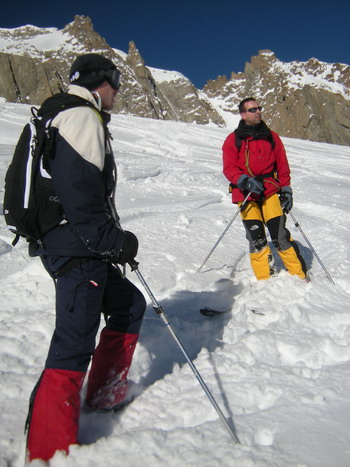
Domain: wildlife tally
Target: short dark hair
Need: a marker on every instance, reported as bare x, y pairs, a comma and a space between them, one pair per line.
241, 104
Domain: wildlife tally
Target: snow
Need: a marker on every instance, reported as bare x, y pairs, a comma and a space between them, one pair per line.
231, 118
49, 40
18, 41
281, 377
166, 76
299, 76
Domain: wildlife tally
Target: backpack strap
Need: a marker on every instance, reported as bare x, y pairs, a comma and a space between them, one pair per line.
55, 104
15, 240
238, 141
50, 108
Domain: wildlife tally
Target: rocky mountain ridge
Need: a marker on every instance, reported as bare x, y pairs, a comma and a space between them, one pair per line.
307, 100
35, 63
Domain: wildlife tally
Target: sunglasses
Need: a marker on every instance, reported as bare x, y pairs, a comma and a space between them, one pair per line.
114, 79
112, 76
253, 110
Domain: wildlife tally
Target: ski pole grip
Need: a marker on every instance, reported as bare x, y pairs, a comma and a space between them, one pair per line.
133, 265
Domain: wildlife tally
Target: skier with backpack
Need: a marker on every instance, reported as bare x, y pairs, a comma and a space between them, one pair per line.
254, 160
81, 248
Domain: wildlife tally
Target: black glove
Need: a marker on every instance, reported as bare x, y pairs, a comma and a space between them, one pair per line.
251, 184
129, 249
286, 198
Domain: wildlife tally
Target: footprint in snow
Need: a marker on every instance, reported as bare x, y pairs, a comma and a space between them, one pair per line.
5, 247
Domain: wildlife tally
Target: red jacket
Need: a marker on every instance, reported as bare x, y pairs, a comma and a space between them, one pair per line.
262, 159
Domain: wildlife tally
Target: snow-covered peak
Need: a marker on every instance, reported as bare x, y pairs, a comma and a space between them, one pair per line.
160, 75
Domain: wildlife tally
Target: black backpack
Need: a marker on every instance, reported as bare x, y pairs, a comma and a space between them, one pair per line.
31, 207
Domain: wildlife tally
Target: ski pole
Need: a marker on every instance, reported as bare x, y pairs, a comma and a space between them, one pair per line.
240, 209
159, 310
296, 223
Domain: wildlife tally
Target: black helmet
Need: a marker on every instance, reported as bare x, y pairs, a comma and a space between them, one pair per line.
91, 70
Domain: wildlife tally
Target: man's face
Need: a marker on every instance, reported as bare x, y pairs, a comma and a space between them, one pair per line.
251, 118
107, 94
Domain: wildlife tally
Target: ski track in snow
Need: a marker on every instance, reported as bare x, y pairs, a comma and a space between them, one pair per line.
281, 377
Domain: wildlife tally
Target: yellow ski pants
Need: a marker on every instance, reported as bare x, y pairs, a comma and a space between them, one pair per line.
268, 212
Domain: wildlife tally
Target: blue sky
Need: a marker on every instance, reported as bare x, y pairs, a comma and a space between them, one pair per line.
204, 39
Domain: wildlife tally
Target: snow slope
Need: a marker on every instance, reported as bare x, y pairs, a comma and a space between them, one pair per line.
282, 377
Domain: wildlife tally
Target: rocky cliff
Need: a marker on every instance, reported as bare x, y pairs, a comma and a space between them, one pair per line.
35, 62
308, 100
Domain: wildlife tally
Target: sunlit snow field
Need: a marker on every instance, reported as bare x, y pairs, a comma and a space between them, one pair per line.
282, 377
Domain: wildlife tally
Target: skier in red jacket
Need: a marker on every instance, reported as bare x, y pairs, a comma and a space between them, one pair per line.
254, 160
